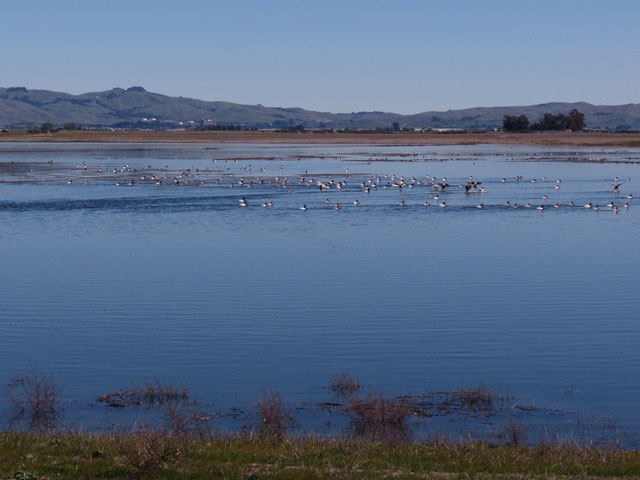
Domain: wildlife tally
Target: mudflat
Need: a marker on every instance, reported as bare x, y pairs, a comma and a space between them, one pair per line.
568, 139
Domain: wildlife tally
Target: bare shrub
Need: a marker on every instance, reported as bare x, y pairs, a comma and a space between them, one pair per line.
275, 420
35, 400
344, 385
147, 450
187, 420
378, 418
514, 433
479, 397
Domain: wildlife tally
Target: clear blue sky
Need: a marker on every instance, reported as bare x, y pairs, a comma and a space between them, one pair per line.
341, 56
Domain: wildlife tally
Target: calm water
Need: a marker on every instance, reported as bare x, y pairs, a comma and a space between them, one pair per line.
104, 285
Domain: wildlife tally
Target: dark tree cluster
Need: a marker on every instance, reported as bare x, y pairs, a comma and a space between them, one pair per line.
513, 123
46, 127
574, 121
220, 127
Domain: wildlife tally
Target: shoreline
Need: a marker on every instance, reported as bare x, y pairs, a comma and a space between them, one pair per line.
550, 139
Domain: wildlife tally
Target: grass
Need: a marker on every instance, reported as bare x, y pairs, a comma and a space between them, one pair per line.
155, 455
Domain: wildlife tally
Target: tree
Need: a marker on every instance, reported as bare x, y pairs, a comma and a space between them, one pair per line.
396, 126
575, 121
551, 122
70, 126
511, 123
47, 127
522, 123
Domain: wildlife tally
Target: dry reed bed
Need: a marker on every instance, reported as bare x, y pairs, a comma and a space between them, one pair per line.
585, 139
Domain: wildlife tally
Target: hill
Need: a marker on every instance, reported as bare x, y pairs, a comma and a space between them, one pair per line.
137, 108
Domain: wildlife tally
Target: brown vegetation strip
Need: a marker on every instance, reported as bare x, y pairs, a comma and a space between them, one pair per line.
584, 139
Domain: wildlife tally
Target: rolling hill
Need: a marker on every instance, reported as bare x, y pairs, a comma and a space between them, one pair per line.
135, 107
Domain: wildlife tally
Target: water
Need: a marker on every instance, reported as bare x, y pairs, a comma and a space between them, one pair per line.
104, 285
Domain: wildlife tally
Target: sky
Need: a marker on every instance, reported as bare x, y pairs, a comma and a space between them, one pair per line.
341, 56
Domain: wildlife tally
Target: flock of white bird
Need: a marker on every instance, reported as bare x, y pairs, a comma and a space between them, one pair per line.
245, 178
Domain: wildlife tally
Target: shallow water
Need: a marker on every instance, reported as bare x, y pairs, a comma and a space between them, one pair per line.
104, 285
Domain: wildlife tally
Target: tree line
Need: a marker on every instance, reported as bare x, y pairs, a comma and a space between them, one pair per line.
574, 121
48, 127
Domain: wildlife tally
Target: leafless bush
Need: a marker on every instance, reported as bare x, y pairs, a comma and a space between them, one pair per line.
378, 418
147, 450
344, 385
35, 400
187, 420
275, 420
513, 433
480, 397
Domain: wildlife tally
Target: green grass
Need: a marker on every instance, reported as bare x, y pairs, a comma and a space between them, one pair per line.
155, 455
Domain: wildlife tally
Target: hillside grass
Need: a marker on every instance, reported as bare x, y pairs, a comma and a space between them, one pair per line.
156, 455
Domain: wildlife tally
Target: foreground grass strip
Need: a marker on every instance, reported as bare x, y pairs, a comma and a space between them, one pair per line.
156, 455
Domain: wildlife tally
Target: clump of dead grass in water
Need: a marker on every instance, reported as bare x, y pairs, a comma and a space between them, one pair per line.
479, 397
275, 419
161, 393
35, 400
344, 386
378, 418
150, 394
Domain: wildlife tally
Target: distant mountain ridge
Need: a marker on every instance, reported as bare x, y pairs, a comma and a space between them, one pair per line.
136, 107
